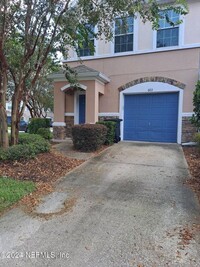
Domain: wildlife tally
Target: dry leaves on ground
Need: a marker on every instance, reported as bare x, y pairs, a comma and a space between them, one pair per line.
45, 169
192, 155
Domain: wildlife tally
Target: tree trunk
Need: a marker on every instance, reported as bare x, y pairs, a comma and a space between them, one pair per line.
16, 99
30, 110
4, 142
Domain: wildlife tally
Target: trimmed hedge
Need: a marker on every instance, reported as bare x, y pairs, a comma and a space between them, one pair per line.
196, 103
37, 123
3, 154
25, 138
111, 126
29, 146
88, 137
197, 139
45, 133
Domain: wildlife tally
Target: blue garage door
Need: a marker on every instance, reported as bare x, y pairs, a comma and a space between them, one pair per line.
151, 117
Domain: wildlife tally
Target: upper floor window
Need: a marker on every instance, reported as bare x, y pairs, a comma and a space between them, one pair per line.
124, 31
167, 34
87, 47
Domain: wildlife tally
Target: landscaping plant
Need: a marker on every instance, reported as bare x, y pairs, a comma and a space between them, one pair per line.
88, 137
111, 126
29, 146
196, 102
45, 133
37, 123
197, 139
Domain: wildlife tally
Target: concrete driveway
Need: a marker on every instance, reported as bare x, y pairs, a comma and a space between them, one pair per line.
126, 207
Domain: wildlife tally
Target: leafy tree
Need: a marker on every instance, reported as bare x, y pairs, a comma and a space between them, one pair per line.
196, 102
6, 23
40, 98
32, 30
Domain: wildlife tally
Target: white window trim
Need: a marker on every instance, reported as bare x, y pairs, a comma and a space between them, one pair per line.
180, 38
157, 87
135, 40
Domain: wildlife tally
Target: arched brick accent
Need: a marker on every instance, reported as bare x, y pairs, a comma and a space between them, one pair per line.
152, 79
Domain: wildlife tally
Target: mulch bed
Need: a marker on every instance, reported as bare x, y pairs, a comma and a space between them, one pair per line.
46, 167
192, 155
44, 170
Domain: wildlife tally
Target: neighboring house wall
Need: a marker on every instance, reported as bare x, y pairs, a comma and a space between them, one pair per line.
8, 108
180, 63
25, 116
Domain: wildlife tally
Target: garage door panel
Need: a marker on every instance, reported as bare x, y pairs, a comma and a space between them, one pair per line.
151, 117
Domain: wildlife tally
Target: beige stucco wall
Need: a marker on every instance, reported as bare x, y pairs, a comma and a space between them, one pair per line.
93, 106
192, 24
103, 47
189, 34
71, 53
69, 102
145, 35
181, 65
59, 102
64, 102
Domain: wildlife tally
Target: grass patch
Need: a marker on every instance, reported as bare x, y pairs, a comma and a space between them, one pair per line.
12, 191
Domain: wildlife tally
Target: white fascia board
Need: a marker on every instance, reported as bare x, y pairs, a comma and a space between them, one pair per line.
81, 86
94, 75
82, 76
57, 76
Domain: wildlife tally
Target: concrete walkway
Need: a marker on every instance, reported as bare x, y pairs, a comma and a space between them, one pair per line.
125, 207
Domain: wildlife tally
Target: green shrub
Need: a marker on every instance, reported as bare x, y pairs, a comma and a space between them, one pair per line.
29, 146
45, 133
196, 103
25, 138
111, 126
20, 152
40, 146
197, 139
37, 123
88, 137
3, 154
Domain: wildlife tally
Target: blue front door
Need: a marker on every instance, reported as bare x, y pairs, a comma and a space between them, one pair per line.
81, 109
151, 117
